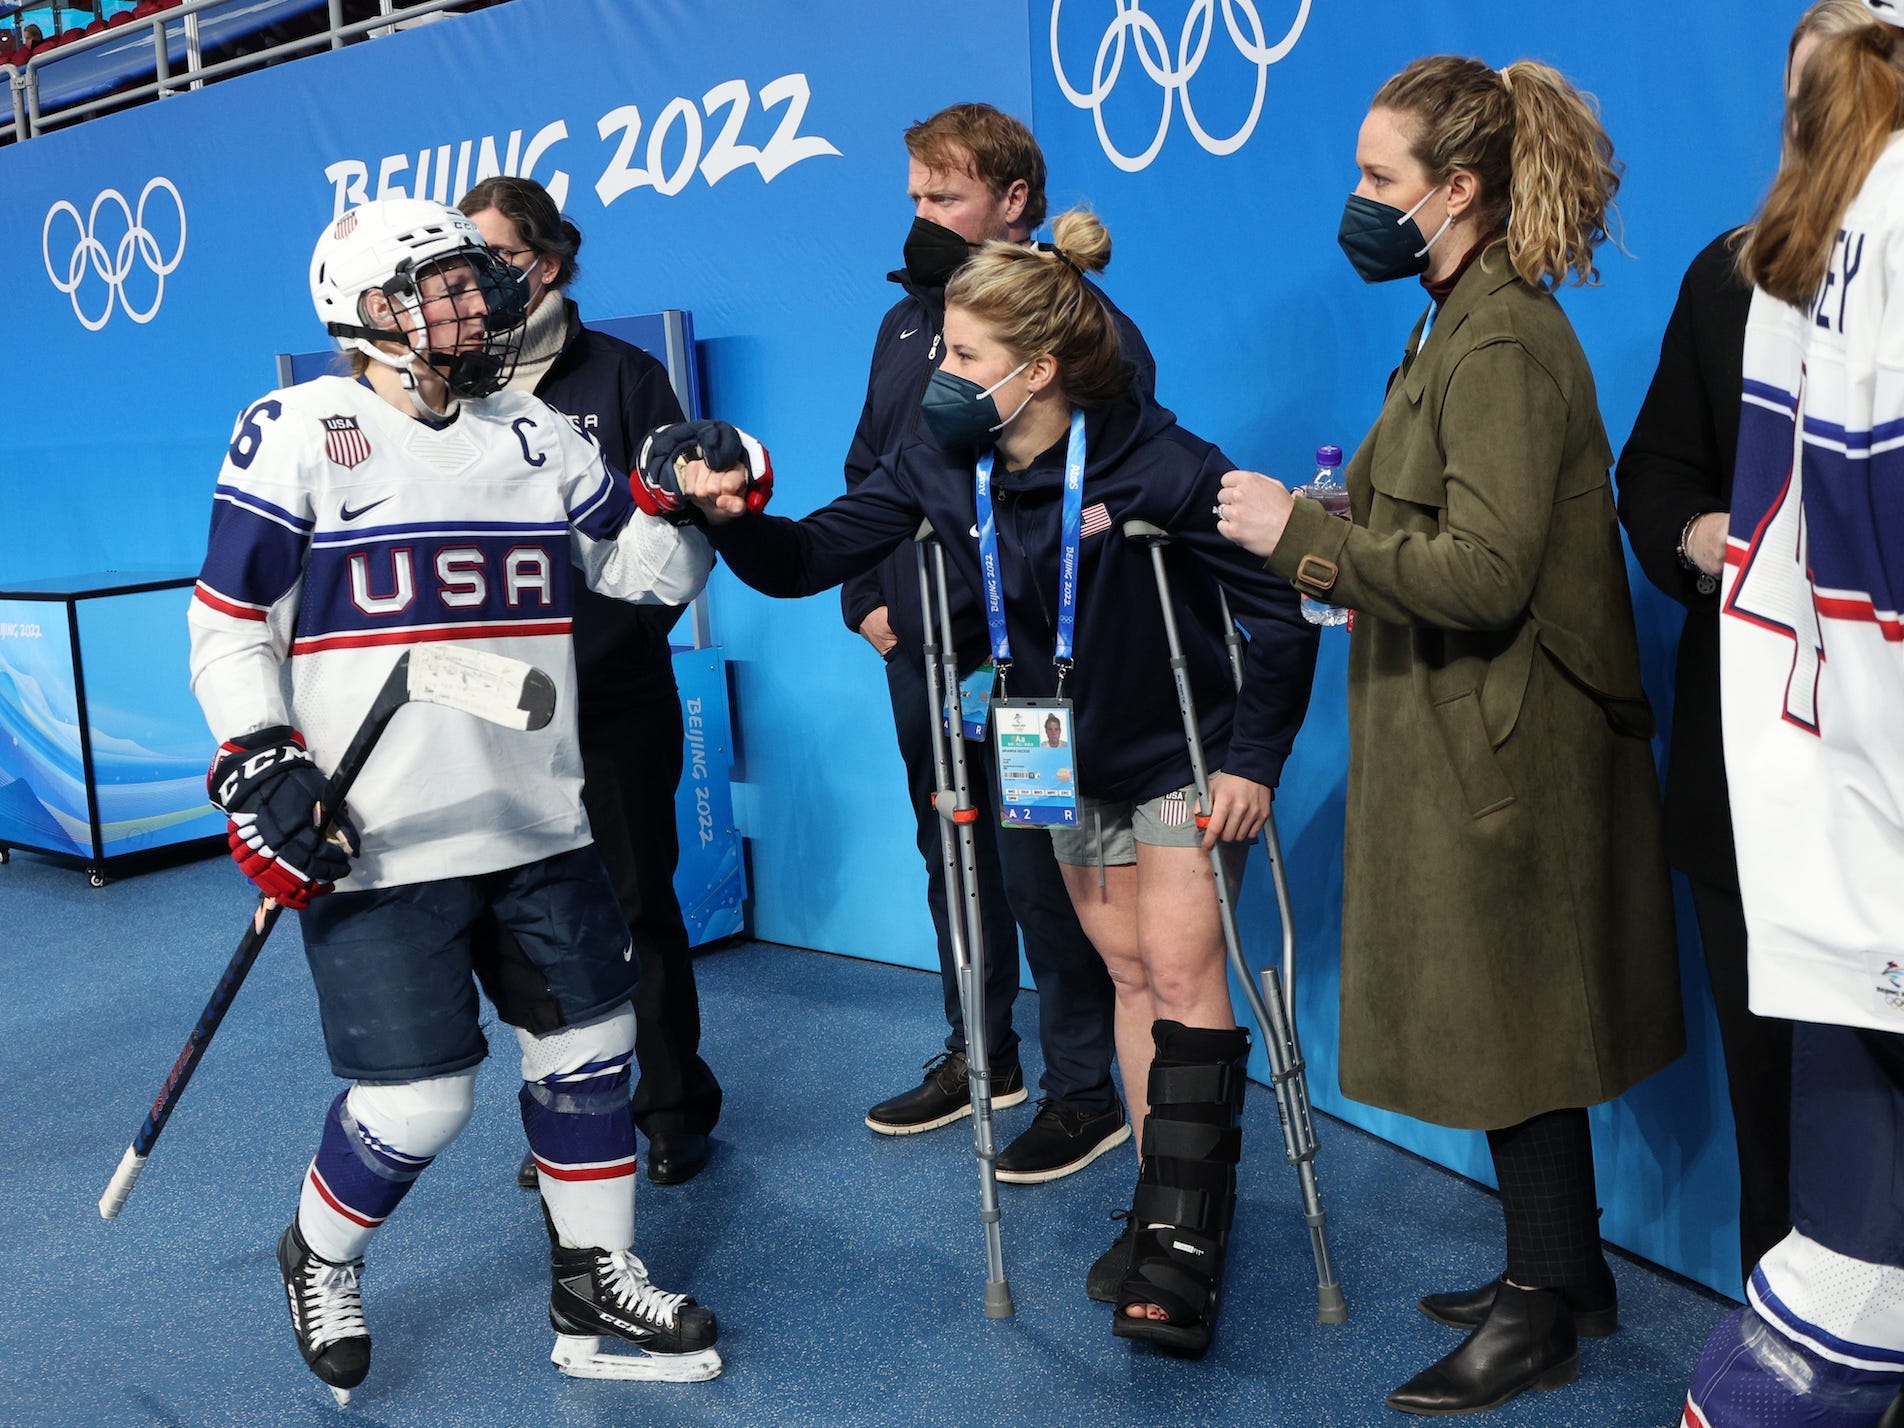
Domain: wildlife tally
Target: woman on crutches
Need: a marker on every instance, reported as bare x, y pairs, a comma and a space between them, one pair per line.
1039, 448
1508, 954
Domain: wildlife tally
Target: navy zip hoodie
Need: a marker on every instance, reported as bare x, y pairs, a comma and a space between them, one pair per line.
905, 355
1139, 465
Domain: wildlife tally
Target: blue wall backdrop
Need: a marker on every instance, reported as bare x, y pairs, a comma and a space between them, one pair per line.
743, 161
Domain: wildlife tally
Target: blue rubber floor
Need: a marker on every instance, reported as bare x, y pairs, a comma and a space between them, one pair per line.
847, 1269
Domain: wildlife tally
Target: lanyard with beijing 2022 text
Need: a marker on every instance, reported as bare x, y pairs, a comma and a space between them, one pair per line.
1070, 538
1034, 737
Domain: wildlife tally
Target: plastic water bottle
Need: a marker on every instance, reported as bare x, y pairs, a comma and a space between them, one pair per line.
1326, 486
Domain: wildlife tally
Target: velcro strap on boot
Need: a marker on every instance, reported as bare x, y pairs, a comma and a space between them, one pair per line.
1192, 1140
1184, 1208
1205, 1084
1177, 1271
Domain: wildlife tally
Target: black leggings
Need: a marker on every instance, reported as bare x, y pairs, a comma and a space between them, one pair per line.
1545, 1167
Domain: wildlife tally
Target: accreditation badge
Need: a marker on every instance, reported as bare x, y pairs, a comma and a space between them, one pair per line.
1037, 767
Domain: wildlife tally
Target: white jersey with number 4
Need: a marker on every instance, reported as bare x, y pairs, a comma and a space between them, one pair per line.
344, 531
1812, 649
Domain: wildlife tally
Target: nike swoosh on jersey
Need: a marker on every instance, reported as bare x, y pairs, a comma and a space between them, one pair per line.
345, 513
907, 333
973, 533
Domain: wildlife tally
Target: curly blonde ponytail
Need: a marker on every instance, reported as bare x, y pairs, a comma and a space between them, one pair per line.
1545, 165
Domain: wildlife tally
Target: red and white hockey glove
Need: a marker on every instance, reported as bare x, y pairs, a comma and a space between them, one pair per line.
655, 479
271, 791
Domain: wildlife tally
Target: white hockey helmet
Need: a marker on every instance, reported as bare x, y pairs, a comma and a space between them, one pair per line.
1889, 11
389, 246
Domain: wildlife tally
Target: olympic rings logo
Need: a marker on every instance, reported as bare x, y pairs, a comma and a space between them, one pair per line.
138, 245
1131, 29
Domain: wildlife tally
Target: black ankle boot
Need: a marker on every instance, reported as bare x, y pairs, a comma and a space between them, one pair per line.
1526, 1341
1595, 1305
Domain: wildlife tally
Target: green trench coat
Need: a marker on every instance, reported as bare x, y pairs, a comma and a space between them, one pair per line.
1507, 920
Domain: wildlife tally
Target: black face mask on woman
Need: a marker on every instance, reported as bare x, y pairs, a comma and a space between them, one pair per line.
1382, 242
934, 253
961, 415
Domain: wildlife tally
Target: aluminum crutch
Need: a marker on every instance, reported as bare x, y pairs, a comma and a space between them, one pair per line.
958, 852
1272, 844
1273, 1010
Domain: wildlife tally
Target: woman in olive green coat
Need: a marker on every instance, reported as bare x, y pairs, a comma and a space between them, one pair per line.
1508, 953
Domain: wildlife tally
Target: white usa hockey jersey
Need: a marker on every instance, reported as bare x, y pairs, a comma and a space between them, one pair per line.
1812, 649
343, 531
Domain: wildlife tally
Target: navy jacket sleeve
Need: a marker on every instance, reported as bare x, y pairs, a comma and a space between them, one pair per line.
1279, 658
783, 557
860, 595
648, 403
1677, 463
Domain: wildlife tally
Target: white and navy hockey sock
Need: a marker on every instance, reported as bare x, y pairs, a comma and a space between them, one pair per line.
1821, 1345
377, 1140
581, 1128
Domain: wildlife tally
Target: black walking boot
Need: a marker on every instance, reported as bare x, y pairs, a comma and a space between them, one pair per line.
1186, 1192
1526, 1341
1107, 1271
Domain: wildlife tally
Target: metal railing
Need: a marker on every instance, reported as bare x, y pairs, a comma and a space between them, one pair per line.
23, 81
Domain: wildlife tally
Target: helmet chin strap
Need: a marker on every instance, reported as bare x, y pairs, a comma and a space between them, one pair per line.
369, 340
450, 400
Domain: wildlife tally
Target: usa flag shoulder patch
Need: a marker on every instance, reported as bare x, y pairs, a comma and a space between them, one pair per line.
344, 443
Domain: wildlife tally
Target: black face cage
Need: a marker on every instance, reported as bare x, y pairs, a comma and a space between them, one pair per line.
483, 370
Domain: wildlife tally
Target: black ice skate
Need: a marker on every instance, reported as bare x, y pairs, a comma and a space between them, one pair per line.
327, 1313
601, 1294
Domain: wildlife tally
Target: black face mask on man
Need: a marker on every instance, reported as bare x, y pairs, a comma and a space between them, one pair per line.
934, 253
1382, 242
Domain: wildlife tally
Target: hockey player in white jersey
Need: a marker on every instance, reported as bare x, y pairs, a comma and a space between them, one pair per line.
417, 500
1812, 680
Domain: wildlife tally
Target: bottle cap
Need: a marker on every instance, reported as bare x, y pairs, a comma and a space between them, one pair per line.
1328, 456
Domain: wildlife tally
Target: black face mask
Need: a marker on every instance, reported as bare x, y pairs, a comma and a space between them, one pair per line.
934, 253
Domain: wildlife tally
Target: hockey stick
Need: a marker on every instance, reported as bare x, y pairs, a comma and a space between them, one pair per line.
490, 686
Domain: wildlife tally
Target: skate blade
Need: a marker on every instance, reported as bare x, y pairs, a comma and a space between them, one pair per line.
580, 1356
342, 1395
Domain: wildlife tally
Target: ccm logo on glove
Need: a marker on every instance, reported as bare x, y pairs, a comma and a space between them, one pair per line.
272, 792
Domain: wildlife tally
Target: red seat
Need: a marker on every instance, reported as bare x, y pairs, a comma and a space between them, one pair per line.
94, 28
145, 8
120, 17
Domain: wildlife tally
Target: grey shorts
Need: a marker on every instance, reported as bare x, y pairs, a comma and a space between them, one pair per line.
1109, 829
